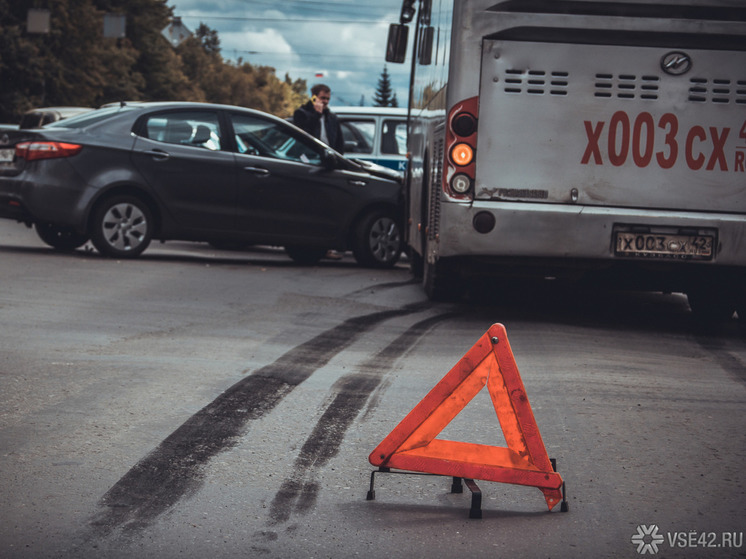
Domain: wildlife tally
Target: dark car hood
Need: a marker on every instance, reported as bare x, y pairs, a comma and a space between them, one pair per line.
378, 170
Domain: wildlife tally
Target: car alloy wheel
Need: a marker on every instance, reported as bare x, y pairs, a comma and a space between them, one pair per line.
122, 227
378, 241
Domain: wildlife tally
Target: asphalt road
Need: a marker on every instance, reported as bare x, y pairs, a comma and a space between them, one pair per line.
200, 403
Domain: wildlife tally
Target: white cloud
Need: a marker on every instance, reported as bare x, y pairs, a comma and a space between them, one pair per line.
351, 56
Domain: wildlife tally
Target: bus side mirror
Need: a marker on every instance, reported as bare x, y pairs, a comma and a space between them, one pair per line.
396, 47
425, 52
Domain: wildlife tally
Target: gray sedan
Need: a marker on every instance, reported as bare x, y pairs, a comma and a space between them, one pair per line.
122, 176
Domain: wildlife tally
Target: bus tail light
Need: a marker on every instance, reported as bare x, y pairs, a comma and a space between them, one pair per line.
461, 183
462, 154
461, 147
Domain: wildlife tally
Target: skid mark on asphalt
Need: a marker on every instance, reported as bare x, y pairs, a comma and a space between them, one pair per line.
374, 288
730, 362
172, 470
299, 492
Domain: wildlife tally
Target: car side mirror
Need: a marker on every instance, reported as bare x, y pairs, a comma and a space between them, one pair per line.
328, 160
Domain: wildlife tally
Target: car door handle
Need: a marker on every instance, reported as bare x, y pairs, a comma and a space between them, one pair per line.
257, 170
157, 153
355, 182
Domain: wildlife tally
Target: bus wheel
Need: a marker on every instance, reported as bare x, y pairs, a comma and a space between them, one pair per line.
416, 264
440, 281
711, 305
741, 307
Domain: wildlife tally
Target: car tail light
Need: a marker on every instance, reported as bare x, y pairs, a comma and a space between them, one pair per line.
460, 157
31, 151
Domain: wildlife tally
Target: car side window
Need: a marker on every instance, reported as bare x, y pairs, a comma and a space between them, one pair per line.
359, 135
186, 128
394, 137
267, 138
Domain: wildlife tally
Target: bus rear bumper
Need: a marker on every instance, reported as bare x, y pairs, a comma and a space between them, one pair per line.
565, 232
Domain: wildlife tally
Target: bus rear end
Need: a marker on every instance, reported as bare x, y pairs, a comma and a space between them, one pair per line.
596, 139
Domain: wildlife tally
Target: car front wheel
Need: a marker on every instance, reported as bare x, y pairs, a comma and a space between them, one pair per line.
59, 237
378, 241
122, 227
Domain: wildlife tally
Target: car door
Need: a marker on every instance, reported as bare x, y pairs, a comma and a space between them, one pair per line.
284, 193
183, 157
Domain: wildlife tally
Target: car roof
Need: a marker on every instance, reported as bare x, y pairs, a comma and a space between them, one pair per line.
63, 112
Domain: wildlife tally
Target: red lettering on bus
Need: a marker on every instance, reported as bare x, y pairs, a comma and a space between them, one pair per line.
742, 135
618, 119
640, 138
594, 135
642, 158
739, 165
696, 133
670, 123
718, 149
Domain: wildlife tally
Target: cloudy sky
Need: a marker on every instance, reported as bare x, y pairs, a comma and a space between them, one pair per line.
343, 40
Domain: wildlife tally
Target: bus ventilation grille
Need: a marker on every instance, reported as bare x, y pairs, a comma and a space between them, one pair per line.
536, 82
626, 86
721, 91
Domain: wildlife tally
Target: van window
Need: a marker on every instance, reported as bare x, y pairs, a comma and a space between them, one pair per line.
359, 135
394, 137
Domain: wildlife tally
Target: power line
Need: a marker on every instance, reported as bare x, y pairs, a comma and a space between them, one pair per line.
284, 20
317, 54
318, 5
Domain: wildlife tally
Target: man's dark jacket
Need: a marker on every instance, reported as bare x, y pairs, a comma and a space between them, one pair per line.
308, 119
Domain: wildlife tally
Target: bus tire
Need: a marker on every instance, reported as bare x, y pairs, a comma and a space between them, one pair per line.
440, 281
711, 305
416, 264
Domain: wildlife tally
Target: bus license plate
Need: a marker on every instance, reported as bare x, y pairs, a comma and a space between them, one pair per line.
655, 245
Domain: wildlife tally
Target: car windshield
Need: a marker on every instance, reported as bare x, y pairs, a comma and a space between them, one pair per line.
87, 119
266, 138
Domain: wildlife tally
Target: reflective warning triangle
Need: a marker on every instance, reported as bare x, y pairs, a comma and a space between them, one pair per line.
412, 444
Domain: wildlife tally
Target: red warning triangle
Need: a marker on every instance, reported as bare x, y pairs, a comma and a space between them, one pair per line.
412, 444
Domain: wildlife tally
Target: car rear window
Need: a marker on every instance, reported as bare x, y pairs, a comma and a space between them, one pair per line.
87, 119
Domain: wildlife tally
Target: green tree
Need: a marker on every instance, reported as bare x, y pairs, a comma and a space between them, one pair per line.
384, 96
74, 64
161, 69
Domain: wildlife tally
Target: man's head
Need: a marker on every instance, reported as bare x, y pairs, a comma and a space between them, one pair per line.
321, 92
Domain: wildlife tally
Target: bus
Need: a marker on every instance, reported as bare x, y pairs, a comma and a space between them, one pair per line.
581, 139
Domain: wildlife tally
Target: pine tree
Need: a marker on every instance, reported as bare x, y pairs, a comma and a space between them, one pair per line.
383, 95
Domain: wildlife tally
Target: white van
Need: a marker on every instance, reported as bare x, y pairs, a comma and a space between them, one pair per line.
377, 134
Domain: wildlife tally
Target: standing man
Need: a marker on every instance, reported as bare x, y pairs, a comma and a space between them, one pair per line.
315, 118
